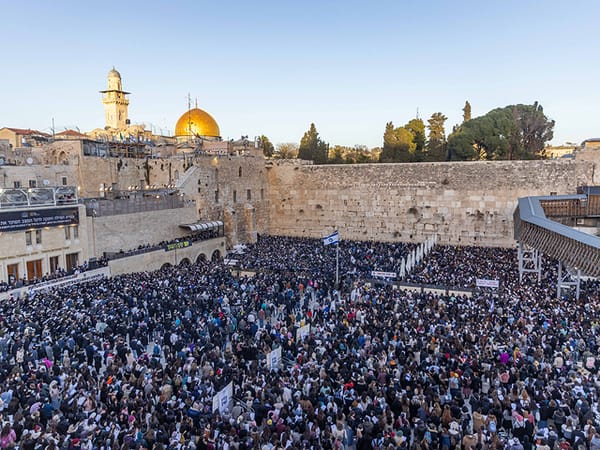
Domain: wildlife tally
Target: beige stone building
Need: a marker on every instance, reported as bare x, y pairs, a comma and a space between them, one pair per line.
40, 232
19, 137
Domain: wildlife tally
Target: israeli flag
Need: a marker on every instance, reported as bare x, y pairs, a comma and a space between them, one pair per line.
333, 238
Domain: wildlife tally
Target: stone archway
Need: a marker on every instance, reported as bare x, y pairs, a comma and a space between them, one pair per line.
185, 262
62, 158
166, 266
201, 258
216, 256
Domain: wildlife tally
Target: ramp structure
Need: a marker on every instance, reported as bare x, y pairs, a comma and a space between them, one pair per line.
544, 226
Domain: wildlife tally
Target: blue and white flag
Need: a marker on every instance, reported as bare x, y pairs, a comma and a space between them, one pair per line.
333, 238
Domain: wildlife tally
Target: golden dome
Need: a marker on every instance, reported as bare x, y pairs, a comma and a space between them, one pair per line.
196, 122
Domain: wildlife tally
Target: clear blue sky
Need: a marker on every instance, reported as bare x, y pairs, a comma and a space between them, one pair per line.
273, 67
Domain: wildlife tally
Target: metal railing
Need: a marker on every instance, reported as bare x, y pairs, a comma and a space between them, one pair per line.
15, 198
117, 206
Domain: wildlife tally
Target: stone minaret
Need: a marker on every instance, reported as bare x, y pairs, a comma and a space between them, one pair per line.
115, 102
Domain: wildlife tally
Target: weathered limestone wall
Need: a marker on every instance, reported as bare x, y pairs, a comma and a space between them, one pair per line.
466, 203
52, 175
125, 172
128, 231
233, 189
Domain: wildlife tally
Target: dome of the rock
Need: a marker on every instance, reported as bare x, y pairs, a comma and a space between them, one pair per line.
197, 122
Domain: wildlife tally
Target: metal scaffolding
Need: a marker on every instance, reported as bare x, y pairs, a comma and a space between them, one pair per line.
568, 278
530, 261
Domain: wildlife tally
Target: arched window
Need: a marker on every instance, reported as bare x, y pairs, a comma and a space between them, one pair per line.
240, 172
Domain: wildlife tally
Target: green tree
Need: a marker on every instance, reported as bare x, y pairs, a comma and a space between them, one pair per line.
337, 154
513, 132
267, 146
312, 147
398, 145
417, 128
286, 150
467, 112
436, 145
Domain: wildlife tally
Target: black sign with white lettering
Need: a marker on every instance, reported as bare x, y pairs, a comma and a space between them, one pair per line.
40, 218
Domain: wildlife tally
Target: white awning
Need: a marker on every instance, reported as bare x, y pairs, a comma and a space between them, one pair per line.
202, 226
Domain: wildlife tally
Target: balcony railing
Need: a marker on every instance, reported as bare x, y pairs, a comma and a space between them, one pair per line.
17, 198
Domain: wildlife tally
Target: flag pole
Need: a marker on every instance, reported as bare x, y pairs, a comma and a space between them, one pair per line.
337, 264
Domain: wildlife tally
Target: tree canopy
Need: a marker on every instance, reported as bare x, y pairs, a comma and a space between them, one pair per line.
312, 147
286, 150
436, 145
267, 146
513, 132
404, 144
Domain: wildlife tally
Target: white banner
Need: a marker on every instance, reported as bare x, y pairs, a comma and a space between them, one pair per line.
381, 274
223, 398
302, 332
482, 282
274, 358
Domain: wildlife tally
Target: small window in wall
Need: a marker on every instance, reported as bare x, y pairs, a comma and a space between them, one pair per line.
217, 196
68, 233
249, 195
32, 183
54, 264
64, 181
17, 184
240, 172
75, 231
262, 194
28, 235
234, 196
38, 236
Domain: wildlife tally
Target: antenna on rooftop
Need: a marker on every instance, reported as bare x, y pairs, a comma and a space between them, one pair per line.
189, 99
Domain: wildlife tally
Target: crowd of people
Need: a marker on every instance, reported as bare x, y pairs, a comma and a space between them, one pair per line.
60, 272
310, 257
135, 361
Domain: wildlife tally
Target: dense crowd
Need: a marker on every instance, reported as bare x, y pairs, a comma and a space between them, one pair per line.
310, 257
135, 361
55, 275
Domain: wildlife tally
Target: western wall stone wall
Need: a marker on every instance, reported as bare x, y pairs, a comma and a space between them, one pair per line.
464, 203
